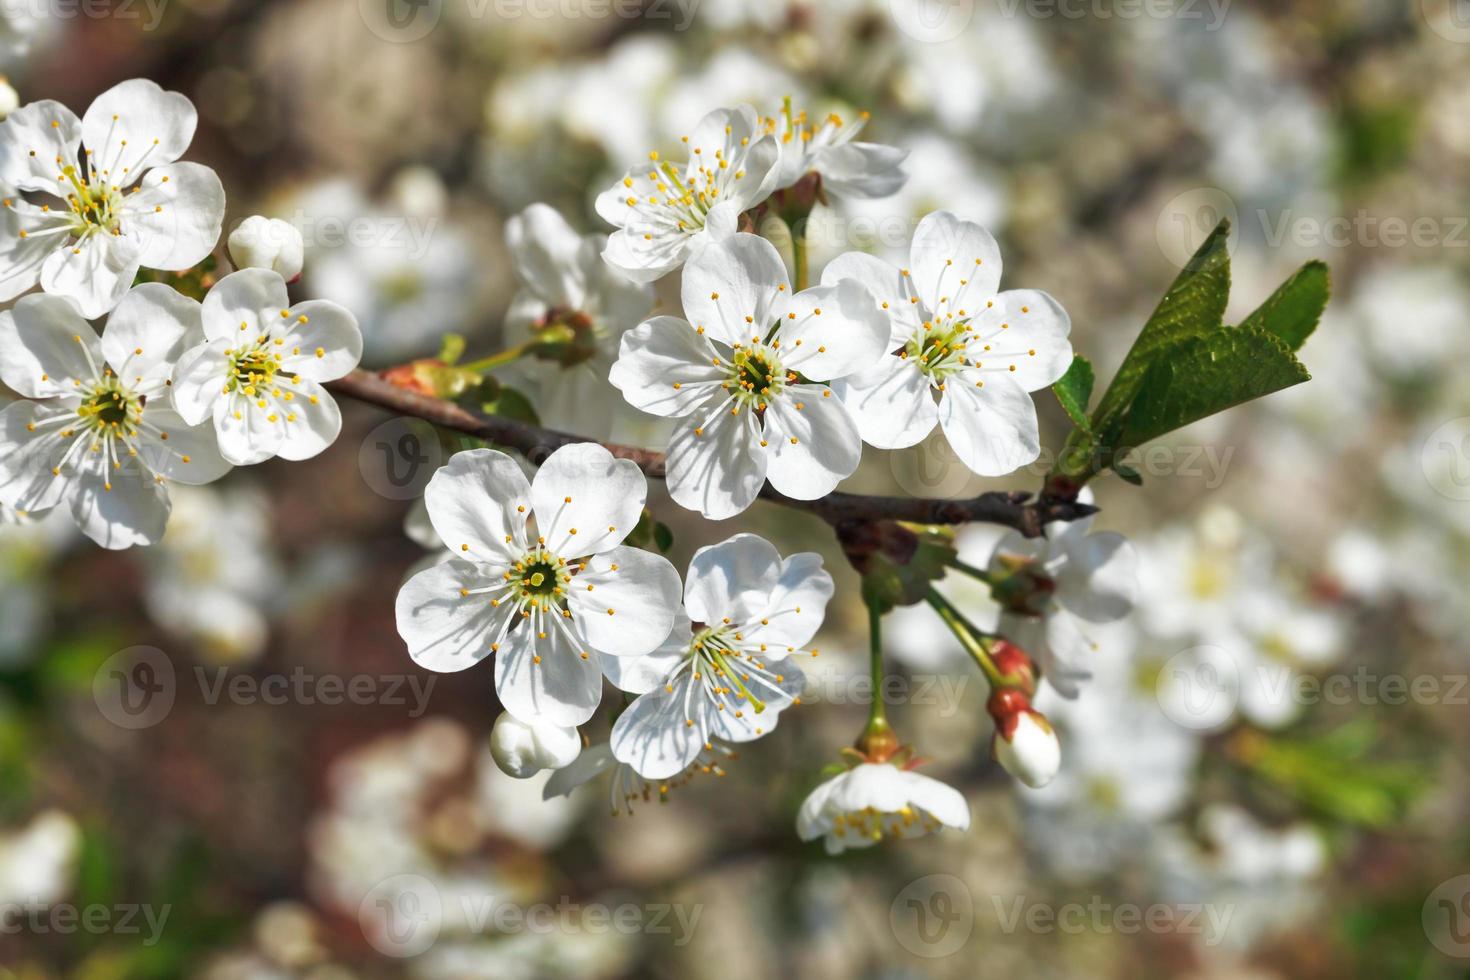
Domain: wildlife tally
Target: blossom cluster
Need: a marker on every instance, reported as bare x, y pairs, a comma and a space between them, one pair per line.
173, 390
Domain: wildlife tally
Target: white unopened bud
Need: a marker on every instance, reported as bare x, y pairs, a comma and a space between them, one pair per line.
9, 98
268, 243
523, 749
1027, 747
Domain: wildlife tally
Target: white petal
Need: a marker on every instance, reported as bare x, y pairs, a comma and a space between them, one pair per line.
328, 338
136, 124
887, 285
638, 675
643, 256
942, 260
832, 331
245, 431
654, 735
45, 345
252, 298
146, 333
1100, 578
199, 380
28, 455
1066, 655
717, 467
544, 250
862, 169
892, 403
812, 448
991, 429
444, 630
23, 255
612, 297
175, 216
189, 455
1027, 329
563, 689
587, 767
629, 611
36, 141
586, 500
94, 271
795, 606
523, 748
478, 500
812, 820
733, 579
310, 422
746, 723
734, 279
117, 509
658, 355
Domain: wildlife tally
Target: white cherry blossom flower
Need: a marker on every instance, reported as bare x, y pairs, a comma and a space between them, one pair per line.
579, 307
965, 355
730, 679
667, 212
126, 203
1056, 588
625, 786
873, 800
268, 243
524, 748
259, 373
743, 375
540, 576
849, 168
95, 429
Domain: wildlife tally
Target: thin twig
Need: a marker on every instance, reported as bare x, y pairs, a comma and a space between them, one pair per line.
1021, 511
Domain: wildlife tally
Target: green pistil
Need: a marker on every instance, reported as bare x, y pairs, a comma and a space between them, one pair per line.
112, 409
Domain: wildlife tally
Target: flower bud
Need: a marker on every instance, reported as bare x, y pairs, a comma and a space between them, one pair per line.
9, 98
1015, 667
268, 243
522, 749
1027, 747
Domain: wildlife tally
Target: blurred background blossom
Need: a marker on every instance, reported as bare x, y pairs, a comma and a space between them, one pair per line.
1266, 777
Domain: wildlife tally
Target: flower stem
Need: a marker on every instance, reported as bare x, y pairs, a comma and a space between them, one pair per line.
799, 255
971, 638
877, 711
970, 570
500, 359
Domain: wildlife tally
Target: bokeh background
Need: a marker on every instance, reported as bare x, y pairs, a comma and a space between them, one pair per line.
1267, 777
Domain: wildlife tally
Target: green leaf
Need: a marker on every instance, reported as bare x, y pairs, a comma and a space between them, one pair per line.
1335, 774
1074, 391
1194, 304
512, 405
663, 537
1129, 474
1292, 312
898, 562
1199, 376
451, 348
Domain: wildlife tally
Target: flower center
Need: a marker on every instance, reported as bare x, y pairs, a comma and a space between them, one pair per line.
95, 206
111, 409
251, 368
939, 349
756, 375
539, 579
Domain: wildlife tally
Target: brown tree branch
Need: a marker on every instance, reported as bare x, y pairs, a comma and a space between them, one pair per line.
1021, 511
